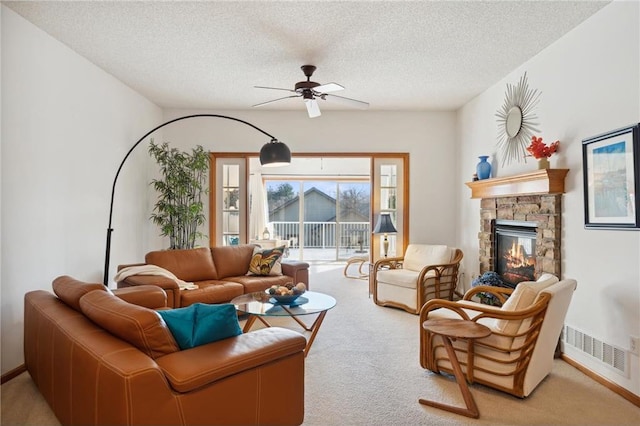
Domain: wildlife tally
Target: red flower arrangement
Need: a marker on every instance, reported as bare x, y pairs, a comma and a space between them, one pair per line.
539, 150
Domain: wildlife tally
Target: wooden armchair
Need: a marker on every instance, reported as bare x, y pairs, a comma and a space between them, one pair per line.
425, 272
525, 330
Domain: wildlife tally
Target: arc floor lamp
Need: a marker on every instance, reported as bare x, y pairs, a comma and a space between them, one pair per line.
273, 153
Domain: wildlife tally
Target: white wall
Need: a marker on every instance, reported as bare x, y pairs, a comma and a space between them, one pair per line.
429, 138
590, 82
66, 125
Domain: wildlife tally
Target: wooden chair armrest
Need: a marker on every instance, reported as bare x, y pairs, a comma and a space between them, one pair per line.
501, 293
437, 268
434, 304
485, 311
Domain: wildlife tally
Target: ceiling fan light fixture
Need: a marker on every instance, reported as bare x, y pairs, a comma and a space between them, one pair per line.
313, 109
275, 154
311, 91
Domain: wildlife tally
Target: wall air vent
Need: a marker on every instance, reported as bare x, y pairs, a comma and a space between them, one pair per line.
612, 356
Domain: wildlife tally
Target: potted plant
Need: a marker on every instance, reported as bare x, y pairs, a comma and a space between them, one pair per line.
179, 210
541, 152
492, 279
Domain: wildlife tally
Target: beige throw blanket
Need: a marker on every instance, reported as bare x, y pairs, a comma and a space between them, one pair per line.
152, 270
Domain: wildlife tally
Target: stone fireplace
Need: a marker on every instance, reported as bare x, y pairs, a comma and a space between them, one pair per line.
540, 211
529, 207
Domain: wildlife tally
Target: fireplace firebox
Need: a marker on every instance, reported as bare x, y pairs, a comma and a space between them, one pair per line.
515, 251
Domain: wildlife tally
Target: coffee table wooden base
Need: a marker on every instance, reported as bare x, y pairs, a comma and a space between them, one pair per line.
313, 328
471, 409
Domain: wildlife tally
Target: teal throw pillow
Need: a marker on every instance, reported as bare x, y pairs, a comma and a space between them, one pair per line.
201, 323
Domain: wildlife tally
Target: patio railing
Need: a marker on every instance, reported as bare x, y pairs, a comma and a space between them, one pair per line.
323, 234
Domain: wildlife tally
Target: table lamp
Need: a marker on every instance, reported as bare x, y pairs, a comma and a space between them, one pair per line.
385, 226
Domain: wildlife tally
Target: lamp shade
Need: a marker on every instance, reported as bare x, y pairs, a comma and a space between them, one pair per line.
274, 154
384, 225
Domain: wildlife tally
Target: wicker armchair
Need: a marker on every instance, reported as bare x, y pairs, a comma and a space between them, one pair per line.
525, 330
425, 272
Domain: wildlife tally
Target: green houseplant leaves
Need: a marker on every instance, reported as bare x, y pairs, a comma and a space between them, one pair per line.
179, 210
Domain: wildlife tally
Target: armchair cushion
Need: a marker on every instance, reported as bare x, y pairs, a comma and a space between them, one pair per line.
418, 256
522, 297
401, 277
201, 323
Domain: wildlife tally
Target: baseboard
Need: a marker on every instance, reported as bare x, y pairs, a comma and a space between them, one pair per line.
13, 373
633, 398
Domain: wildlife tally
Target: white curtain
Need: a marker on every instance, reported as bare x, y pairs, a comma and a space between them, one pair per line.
258, 209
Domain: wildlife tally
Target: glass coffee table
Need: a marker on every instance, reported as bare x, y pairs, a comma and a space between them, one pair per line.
259, 306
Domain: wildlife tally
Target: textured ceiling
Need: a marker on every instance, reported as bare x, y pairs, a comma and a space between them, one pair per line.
396, 55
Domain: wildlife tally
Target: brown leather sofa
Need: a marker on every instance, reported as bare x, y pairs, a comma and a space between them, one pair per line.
123, 367
219, 272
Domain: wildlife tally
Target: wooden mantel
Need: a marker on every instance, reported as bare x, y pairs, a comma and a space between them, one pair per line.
544, 181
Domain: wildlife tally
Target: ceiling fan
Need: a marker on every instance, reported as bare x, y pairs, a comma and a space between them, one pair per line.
310, 92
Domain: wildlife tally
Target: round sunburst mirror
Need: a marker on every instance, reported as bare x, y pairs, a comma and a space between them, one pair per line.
516, 120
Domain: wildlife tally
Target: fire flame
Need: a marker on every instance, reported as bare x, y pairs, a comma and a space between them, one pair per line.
516, 257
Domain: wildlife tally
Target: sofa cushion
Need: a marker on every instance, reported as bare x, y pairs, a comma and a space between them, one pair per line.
211, 292
232, 261
266, 261
418, 256
188, 265
141, 327
201, 323
70, 290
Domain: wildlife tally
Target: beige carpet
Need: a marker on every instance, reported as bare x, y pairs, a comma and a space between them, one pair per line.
363, 369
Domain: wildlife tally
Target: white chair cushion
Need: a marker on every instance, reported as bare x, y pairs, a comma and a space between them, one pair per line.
522, 297
418, 256
401, 277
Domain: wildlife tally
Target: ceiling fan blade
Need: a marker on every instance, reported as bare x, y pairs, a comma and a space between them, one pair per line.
274, 88
329, 87
275, 100
346, 101
313, 109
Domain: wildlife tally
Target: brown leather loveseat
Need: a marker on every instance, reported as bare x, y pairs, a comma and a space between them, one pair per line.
99, 360
219, 272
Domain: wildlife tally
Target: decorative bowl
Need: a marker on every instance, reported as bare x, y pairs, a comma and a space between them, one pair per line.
285, 299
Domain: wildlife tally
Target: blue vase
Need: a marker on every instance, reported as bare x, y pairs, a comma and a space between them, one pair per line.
483, 169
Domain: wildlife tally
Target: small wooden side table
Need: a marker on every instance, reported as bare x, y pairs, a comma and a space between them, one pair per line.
450, 329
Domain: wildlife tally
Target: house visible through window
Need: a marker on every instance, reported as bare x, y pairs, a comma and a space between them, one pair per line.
335, 216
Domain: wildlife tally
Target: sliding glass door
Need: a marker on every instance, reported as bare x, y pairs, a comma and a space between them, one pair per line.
323, 207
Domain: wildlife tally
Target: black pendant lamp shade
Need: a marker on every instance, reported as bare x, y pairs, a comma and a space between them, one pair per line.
274, 154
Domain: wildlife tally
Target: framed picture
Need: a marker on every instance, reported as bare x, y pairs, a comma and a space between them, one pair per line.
611, 169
